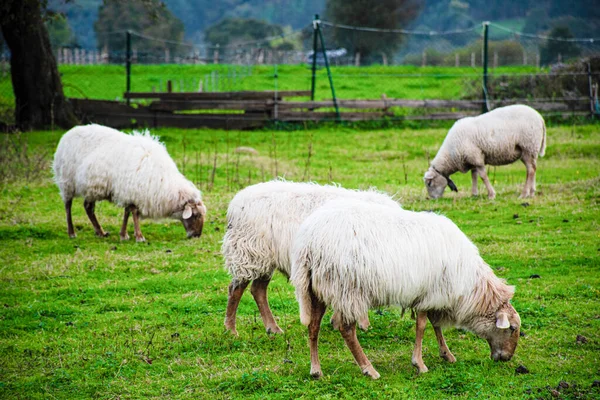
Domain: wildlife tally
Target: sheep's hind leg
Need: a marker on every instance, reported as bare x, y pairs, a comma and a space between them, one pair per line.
90, 207
136, 224
348, 332
123, 234
445, 352
486, 182
531, 166
236, 290
70, 229
317, 311
259, 292
417, 357
474, 190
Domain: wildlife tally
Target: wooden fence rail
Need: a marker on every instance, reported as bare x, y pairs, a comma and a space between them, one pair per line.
252, 109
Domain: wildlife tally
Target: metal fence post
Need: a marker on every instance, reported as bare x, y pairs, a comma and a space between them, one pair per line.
485, 107
592, 101
335, 104
314, 60
128, 64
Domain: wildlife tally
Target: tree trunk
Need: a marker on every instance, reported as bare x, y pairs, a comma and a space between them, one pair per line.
40, 101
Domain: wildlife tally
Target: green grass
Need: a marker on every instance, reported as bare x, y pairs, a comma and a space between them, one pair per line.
100, 318
108, 81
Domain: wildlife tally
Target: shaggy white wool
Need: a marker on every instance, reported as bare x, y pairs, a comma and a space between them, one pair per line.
498, 137
263, 219
101, 163
359, 255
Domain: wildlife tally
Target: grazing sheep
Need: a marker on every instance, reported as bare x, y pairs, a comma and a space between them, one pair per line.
499, 137
353, 256
133, 171
261, 222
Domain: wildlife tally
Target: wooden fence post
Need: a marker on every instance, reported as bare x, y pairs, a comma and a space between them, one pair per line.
456, 60
423, 59
473, 60
495, 59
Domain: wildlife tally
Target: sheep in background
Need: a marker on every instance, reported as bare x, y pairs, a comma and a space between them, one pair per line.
499, 137
133, 171
261, 222
354, 256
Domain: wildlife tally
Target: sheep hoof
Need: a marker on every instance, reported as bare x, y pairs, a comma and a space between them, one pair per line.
124, 237
72, 235
371, 372
102, 234
140, 239
274, 330
422, 370
317, 374
449, 357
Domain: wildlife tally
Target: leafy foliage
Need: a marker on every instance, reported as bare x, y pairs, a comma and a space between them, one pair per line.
385, 14
148, 17
232, 31
554, 49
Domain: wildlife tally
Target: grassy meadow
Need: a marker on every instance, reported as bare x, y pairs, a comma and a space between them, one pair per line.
100, 318
409, 82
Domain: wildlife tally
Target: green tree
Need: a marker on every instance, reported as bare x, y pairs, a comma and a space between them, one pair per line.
232, 31
554, 47
146, 17
60, 31
383, 14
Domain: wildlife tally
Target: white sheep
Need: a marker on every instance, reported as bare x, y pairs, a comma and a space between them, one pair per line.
262, 220
133, 171
354, 256
499, 137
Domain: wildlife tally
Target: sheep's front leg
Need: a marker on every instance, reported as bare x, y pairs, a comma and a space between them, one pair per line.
136, 224
417, 357
348, 332
474, 190
123, 234
486, 181
90, 207
70, 229
530, 165
259, 292
236, 290
316, 315
445, 352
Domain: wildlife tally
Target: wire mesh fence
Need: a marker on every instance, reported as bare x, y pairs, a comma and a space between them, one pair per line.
366, 63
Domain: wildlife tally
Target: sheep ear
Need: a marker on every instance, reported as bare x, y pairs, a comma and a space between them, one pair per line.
452, 185
502, 321
187, 212
429, 175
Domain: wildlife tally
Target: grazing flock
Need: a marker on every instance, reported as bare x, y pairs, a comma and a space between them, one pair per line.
349, 250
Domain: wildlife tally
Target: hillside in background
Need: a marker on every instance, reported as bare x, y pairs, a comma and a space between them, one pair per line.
582, 17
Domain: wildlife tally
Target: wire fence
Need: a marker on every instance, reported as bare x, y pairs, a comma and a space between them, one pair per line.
410, 64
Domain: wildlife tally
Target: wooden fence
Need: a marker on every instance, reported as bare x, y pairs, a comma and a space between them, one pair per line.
254, 109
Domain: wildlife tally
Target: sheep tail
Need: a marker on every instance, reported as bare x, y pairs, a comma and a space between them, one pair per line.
301, 279
543, 146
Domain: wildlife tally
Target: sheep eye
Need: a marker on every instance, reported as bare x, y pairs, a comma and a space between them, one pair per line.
513, 328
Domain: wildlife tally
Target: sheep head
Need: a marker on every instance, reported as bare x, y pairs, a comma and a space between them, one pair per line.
501, 330
436, 183
192, 217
